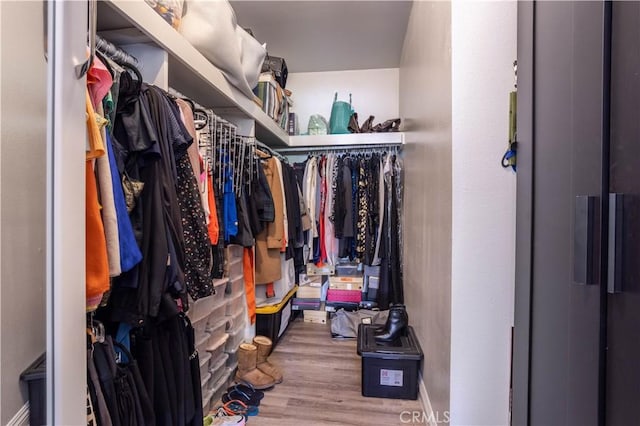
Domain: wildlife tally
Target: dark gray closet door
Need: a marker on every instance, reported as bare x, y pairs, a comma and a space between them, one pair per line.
623, 327
566, 125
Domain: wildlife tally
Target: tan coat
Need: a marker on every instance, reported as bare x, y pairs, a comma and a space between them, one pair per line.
269, 242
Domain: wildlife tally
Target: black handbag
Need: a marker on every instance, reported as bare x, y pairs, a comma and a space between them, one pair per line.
278, 67
133, 400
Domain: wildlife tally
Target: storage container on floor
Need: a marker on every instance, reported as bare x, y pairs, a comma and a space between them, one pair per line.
218, 367
204, 363
239, 318
219, 388
236, 284
233, 358
235, 305
202, 343
389, 370
206, 402
204, 383
236, 336
217, 313
233, 252
272, 321
205, 305
213, 342
235, 269
217, 329
217, 348
200, 328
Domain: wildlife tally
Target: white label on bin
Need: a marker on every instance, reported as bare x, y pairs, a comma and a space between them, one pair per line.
391, 377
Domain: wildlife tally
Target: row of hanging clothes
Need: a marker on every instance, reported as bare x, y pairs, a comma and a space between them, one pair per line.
355, 199
169, 185
280, 240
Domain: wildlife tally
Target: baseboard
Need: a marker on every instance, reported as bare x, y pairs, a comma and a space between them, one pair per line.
21, 418
426, 402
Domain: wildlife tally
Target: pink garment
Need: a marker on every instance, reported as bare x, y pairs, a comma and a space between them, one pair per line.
99, 82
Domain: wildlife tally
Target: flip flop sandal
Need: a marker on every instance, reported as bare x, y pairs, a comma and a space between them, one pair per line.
237, 407
247, 398
246, 389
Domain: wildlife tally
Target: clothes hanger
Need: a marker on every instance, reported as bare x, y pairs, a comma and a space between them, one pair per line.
136, 72
95, 329
202, 117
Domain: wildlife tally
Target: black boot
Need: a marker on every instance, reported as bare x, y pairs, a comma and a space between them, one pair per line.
395, 325
380, 328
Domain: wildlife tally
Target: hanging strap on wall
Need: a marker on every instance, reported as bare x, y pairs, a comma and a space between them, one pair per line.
509, 158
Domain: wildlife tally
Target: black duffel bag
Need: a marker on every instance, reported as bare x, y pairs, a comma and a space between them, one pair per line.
278, 67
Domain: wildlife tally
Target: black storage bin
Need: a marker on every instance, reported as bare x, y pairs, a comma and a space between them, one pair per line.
35, 375
269, 318
389, 371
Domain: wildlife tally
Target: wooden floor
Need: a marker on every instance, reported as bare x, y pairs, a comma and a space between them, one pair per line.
322, 384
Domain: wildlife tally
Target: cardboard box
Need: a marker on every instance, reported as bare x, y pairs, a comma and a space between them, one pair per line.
308, 292
326, 269
313, 281
346, 283
316, 317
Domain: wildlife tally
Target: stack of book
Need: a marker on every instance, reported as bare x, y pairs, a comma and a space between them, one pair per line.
276, 102
344, 292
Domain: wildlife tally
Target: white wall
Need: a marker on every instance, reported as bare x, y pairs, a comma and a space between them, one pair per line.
23, 79
425, 106
375, 92
483, 239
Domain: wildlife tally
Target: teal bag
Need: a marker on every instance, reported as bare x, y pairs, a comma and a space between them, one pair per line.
340, 116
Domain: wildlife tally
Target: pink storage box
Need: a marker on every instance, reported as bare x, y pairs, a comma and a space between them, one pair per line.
335, 295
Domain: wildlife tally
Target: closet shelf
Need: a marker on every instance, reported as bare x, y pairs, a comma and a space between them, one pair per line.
391, 138
130, 22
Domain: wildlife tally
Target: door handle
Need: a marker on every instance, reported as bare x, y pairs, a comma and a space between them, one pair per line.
614, 255
586, 214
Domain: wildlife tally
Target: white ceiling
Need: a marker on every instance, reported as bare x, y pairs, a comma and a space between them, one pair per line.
328, 35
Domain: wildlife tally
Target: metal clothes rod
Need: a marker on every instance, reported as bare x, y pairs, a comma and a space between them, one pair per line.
341, 148
114, 52
270, 150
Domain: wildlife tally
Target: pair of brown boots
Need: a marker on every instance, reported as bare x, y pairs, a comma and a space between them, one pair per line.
253, 367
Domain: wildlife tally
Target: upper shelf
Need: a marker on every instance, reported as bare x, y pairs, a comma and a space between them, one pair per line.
189, 71
391, 138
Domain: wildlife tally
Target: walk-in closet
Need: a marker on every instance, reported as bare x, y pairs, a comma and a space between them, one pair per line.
256, 212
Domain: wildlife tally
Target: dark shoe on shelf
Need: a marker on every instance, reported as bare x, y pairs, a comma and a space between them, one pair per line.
367, 126
392, 125
395, 326
354, 127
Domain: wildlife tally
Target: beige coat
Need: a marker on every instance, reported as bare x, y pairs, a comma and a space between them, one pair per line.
270, 241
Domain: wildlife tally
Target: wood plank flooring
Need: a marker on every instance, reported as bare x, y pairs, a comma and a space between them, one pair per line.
322, 384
